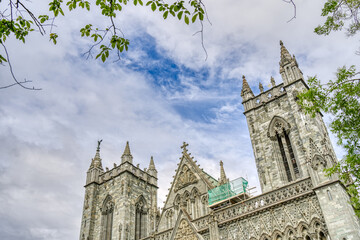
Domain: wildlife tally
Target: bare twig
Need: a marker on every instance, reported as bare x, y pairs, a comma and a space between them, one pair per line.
201, 31
291, 2
13, 76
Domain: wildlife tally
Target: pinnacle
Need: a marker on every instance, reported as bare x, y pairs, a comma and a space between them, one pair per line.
127, 149
284, 53
245, 87
223, 178
261, 87
152, 164
272, 80
127, 157
96, 161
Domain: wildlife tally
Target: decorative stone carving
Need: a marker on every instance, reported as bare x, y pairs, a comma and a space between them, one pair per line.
185, 232
277, 126
186, 178
317, 162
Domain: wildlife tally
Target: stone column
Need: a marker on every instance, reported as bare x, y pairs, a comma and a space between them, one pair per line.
213, 227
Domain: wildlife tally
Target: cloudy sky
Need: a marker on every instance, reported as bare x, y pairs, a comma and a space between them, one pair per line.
160, 94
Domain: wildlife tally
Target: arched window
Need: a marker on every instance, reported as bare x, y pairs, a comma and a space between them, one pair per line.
140, 218
107, 218
279, 131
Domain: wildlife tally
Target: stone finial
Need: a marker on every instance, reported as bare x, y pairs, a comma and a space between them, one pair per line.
96, 161
246, 90
184, 147
272, 80
127, 157
261, 88
223, 178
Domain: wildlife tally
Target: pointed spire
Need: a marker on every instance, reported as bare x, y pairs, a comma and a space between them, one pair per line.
223, 178
152, 170
284, 54
127, 157
246, 92
96, 161
289, 69
261, 87
152, 164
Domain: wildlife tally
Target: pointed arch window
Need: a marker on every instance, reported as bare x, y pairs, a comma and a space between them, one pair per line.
279, 131
140, 218
107, 218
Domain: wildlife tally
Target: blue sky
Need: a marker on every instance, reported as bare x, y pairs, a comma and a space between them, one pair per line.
160, 94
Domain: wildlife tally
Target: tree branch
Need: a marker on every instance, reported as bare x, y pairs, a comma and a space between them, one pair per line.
291, 2
13, 76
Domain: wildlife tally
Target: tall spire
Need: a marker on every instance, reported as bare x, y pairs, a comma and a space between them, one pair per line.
223, 178
96, 161
289, 69
127, 157
246, 92
285, 56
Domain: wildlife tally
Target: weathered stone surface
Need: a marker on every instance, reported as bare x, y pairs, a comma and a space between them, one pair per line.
291, 151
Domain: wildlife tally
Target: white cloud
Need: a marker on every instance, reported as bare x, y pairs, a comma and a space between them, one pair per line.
49, 137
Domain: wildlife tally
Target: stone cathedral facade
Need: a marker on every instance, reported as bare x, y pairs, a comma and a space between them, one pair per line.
291, 150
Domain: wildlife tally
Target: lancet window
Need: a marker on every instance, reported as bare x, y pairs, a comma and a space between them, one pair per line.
279, 131
107, 218
140, 218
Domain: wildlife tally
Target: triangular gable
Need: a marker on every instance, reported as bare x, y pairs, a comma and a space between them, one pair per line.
187, 174
184, 229
193, 171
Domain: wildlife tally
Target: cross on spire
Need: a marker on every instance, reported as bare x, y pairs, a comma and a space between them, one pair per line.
184, 147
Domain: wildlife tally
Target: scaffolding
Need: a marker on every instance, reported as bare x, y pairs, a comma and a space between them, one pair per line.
228, 190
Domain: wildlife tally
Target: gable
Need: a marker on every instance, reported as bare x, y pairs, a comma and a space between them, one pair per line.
190, 184
184, 229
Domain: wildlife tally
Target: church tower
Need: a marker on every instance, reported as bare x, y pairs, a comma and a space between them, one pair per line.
290, 146
120, 203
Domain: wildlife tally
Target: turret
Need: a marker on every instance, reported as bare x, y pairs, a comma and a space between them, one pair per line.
127, 157
289, 69
222, 179
152, 170
95, 168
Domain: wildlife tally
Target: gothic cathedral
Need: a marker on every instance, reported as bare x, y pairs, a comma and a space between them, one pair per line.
291, 150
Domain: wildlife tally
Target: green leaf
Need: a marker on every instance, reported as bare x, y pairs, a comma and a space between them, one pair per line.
165, 15
148, 3
87, 4
193, 19
135, 2
201, 16
186, 19
180, 15
153, 6
2, 59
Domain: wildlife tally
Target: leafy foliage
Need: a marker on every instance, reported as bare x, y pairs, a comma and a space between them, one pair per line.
105, 40
340, 98
340, 13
